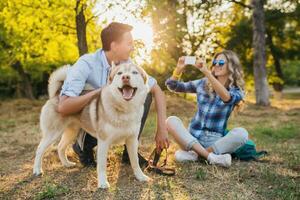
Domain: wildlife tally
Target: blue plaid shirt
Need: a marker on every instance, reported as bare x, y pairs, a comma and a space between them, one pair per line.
212, 113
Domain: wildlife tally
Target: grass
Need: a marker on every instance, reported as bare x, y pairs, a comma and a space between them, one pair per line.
282, 133
276, 176
51, 191
201, 174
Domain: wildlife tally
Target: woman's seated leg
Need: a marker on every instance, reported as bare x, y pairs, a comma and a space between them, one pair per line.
187, 142
236, 138
180, 133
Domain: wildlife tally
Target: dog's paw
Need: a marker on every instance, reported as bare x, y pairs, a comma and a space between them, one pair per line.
103, 185
69, 164
143, 178
37, 172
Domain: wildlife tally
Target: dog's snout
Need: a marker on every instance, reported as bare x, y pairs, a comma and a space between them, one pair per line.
125, 78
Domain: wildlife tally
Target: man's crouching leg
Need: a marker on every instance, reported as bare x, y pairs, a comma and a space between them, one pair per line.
84, 149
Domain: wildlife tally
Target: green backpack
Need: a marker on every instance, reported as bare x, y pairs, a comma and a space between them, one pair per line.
248, 152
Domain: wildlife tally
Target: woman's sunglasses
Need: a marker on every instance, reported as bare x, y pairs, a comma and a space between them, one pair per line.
221, 63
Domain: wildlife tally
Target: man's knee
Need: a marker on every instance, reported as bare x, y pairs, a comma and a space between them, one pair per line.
240, 134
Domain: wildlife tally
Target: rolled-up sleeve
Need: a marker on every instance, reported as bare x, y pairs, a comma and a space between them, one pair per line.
76, 79
236, 95
178, 86
151, 81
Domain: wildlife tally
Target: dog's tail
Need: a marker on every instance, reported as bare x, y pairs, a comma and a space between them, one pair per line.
56, 80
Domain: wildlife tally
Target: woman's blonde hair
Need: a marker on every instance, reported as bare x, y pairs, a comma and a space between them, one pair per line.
236, 75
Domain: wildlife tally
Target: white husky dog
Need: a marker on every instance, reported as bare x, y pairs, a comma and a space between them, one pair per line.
113, 117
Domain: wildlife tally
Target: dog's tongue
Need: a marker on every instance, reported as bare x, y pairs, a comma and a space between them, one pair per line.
127, 92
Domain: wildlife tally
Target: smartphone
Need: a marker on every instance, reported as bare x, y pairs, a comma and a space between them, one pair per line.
189, 60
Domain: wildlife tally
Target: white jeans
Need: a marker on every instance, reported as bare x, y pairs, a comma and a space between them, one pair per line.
220, 144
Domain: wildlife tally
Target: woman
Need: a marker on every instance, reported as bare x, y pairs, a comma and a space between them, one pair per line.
218, 93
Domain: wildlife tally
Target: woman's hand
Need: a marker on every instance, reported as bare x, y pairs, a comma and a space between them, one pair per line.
180, 65
201, 65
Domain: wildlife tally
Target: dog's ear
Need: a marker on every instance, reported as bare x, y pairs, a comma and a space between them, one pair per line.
143, 73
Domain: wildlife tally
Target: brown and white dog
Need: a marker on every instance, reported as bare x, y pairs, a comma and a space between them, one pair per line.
113, 117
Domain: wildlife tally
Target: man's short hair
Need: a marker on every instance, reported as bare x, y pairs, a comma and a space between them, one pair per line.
113, 33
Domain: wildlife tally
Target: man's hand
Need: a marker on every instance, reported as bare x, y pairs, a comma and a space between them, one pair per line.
161, 139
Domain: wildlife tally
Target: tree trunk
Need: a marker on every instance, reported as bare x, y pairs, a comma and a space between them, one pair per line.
259, 51
26, 85
81, 28
278, 87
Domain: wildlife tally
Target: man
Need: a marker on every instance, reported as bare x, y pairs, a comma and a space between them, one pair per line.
93, 69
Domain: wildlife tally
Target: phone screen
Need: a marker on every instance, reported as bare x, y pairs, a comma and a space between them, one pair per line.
190, 60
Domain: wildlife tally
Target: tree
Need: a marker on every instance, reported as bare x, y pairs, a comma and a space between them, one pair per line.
184, 28
39, 36
84, 17
81, 27
259, 53
282, 27
259, 50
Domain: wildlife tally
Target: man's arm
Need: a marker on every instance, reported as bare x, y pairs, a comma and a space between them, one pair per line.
71, 105
161, 137
70, 101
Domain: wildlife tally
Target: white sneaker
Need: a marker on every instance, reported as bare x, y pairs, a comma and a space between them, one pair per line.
184, 156
222, 160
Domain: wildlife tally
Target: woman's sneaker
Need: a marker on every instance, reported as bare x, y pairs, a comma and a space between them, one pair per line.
184, 156
222, 160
